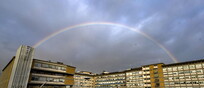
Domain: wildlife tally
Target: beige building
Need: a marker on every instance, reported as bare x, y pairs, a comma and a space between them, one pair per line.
134, 78
178, 75
51, 74
84, 79
25, 72
110, 80
184, 75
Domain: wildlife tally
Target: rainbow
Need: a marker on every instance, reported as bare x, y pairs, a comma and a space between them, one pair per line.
109, 24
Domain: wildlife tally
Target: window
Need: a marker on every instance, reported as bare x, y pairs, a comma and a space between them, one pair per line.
174, 68
56, 80
61, 80
50, 79
192, 66
45, 65
42, 79
180, 68
37, 64
59, 68
169, 69
63, 68
53, 66
35, 78
198, 66
185, 67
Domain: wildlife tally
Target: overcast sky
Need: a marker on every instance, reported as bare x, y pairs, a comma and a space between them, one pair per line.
176, 24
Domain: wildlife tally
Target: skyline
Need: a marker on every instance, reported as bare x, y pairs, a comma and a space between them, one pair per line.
176, 25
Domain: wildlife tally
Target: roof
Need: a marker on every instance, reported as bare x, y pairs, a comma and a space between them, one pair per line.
55, 62
152, 64
85, 74
183, 63
9, 63
134, 69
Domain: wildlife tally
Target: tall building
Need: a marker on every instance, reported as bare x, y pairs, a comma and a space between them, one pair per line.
17, 71
25, 72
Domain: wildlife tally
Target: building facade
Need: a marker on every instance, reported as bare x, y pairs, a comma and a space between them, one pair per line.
25, 72
184, 75
134, 78
17, 71
84, 80
178, 75
110, 80
51, 74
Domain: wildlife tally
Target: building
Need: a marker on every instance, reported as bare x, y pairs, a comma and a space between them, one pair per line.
25, 72
178, 75
52, 74
110, 80
184, 75
134, 78
84, 79
17, 71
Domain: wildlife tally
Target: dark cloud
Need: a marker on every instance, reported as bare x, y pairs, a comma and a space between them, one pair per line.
177, 25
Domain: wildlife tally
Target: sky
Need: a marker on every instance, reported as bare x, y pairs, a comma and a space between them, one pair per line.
175, 24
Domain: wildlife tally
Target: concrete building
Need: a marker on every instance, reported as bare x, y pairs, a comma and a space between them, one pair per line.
178, 75
25, 72
52, 74
17, 71
110, 80
184, 75
84, 79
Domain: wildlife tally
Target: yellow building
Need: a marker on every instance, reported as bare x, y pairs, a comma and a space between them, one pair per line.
16, 73
178, 75
25, 72
51, 74
84, 79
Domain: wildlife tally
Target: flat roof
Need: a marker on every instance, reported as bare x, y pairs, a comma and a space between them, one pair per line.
183, 63
55, 62
85, 74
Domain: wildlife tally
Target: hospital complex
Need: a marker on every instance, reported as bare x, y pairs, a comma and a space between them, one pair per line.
25, 71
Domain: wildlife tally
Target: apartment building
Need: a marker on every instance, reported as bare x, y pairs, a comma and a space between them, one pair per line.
184, 75
25, 72
153, 76
16, 72
84, 79
51, 75
134, 78
110, 80
178, 75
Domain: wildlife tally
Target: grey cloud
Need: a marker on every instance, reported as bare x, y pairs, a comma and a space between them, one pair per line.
175, 24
